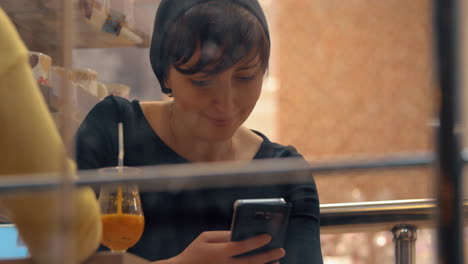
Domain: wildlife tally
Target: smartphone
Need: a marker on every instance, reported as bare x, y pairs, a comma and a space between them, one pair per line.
253, 217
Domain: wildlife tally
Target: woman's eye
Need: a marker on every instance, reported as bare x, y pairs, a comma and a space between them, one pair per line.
201, 82
247, 78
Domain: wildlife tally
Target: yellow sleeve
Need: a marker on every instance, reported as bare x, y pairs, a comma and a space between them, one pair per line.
30, 143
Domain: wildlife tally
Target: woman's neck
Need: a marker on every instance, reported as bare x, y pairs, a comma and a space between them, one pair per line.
245, 143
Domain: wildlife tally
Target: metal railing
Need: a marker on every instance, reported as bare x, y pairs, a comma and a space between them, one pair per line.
184, 176
401, 217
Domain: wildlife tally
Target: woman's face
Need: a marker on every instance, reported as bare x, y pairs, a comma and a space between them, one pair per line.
213, 107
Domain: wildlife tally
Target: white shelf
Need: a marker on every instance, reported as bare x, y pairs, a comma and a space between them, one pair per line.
90, 34
39, 25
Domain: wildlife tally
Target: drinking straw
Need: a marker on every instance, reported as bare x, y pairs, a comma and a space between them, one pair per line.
121, 148
120, 167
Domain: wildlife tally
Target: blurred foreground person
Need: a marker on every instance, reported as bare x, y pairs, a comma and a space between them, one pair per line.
30, 144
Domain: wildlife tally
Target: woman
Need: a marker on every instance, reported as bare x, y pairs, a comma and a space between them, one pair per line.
211, 57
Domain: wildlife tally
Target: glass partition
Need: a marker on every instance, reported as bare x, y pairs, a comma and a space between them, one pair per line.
349, 85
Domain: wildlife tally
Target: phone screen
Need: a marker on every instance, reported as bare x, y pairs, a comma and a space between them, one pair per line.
11, 245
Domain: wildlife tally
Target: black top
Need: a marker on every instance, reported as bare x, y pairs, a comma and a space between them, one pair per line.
174, 219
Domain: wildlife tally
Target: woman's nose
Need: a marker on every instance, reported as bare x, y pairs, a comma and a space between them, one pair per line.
224, 98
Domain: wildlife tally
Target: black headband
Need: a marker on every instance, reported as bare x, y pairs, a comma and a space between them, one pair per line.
170, 10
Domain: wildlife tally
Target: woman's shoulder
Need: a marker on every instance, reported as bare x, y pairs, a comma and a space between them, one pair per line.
114, 106
270, 149
108, 112
114, 109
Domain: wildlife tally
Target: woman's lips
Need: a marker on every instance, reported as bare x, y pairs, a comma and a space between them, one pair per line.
220, 122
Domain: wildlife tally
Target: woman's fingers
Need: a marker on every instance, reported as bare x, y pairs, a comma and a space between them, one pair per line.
215, 236
264, 257
217, 247
222, 239
239, 247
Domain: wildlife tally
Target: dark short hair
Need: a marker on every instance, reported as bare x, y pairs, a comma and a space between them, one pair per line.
225, 33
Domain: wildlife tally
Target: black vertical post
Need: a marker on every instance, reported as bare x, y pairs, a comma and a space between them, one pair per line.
449, 187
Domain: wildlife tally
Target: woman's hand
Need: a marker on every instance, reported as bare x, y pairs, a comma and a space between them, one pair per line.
216, 247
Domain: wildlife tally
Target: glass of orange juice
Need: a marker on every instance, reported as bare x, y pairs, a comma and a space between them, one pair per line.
121, 213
